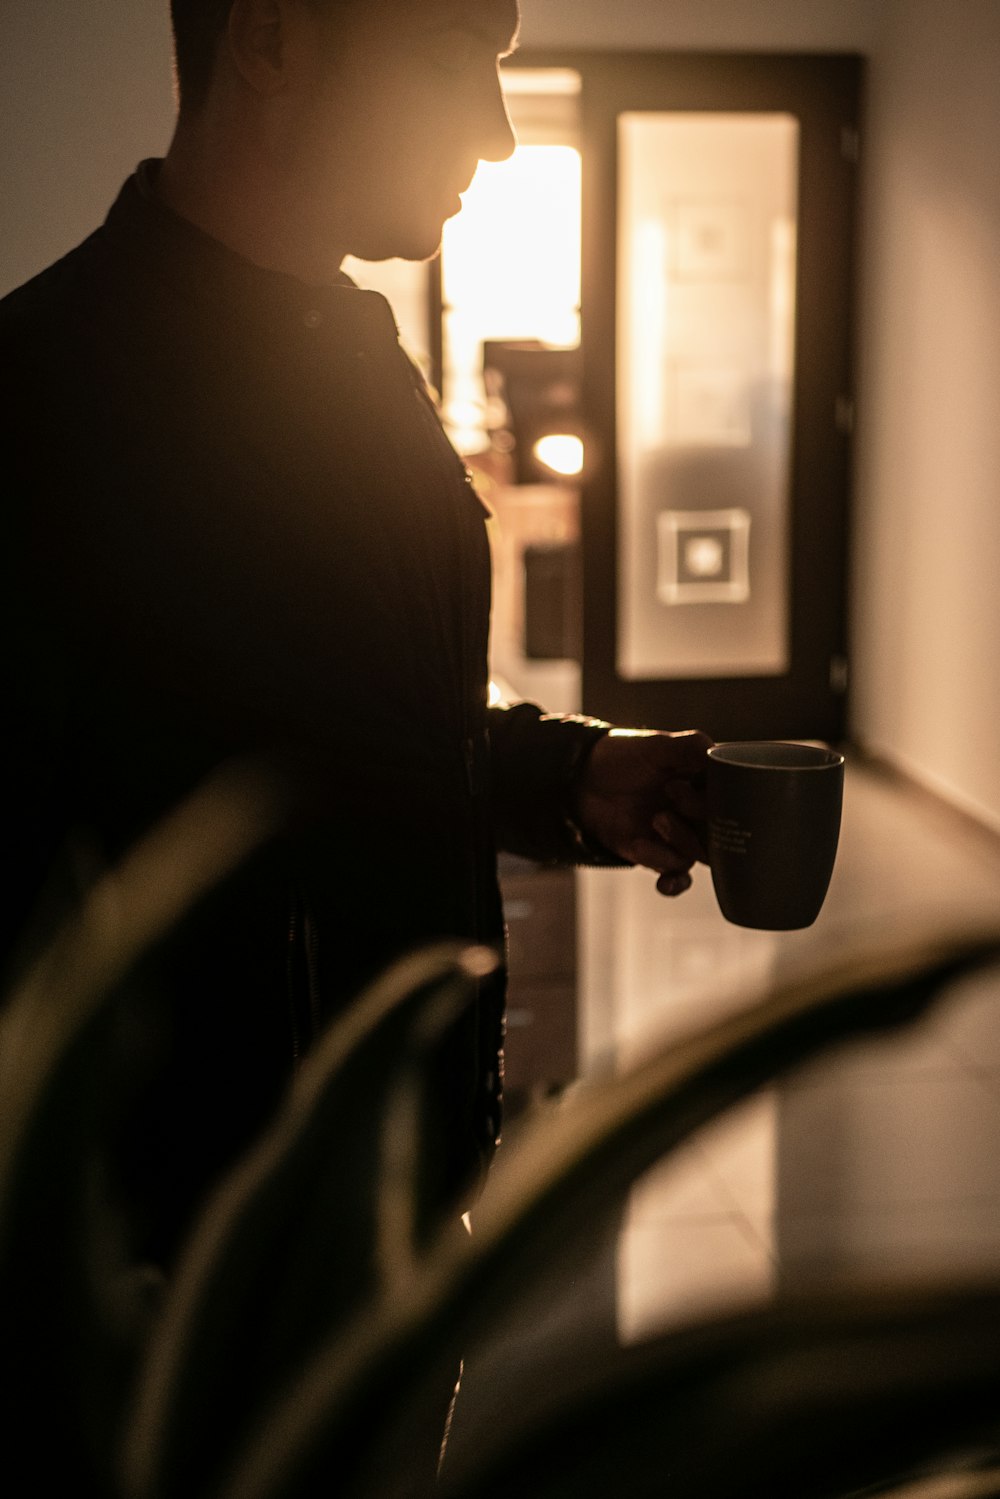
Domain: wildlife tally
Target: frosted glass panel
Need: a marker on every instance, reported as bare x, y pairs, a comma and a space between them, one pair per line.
706, 314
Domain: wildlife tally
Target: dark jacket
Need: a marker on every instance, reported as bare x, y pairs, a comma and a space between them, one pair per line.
234, 523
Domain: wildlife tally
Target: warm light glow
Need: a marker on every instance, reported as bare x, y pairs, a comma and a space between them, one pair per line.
510, 270
547, 83
511, 258
704, 557
560, 452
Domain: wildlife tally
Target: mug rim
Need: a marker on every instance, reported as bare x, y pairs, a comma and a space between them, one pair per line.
727, 753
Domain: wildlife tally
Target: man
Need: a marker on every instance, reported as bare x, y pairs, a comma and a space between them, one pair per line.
238, 527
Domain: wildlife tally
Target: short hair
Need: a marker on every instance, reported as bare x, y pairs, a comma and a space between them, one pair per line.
197, 25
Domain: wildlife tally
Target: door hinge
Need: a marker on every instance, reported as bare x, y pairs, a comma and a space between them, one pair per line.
850, 144
839, 675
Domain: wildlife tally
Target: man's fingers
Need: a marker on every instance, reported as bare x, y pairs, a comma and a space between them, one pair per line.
673, 884
680, 835
685, 799
651, 853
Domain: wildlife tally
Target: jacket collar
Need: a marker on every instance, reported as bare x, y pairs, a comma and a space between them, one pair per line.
154, 237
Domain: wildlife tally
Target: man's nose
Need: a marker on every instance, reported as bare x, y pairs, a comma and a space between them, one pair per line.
497, 137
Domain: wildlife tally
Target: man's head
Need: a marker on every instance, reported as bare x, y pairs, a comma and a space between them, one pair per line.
369, 116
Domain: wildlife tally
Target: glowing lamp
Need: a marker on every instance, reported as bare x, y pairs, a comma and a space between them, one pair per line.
561, 453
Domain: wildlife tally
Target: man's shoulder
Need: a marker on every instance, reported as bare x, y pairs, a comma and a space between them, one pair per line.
52, 330
46, 301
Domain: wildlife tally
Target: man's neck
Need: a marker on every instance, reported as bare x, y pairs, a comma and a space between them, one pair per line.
226, 193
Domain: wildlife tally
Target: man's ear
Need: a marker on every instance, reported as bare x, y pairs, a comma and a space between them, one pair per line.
256, 41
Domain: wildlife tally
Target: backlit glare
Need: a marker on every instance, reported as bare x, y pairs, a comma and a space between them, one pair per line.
511, 258
510, 270
560, 452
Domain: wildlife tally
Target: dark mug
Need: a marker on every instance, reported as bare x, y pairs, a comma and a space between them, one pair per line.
773, 827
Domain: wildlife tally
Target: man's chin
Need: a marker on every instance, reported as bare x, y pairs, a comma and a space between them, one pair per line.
409, 243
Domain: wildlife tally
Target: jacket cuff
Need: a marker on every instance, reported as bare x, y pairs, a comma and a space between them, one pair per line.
588, 850
537, 762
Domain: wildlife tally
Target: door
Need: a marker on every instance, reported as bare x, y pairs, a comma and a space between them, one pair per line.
718, 216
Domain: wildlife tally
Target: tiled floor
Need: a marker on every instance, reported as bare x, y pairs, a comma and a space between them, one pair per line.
882, 1159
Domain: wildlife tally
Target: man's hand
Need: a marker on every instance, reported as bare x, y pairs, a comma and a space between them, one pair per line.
642, 795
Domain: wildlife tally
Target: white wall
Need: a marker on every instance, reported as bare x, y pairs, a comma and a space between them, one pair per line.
778, 25
927, 572
86, 92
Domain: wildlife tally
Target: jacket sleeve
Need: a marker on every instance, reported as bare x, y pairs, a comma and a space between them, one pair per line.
537, 758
